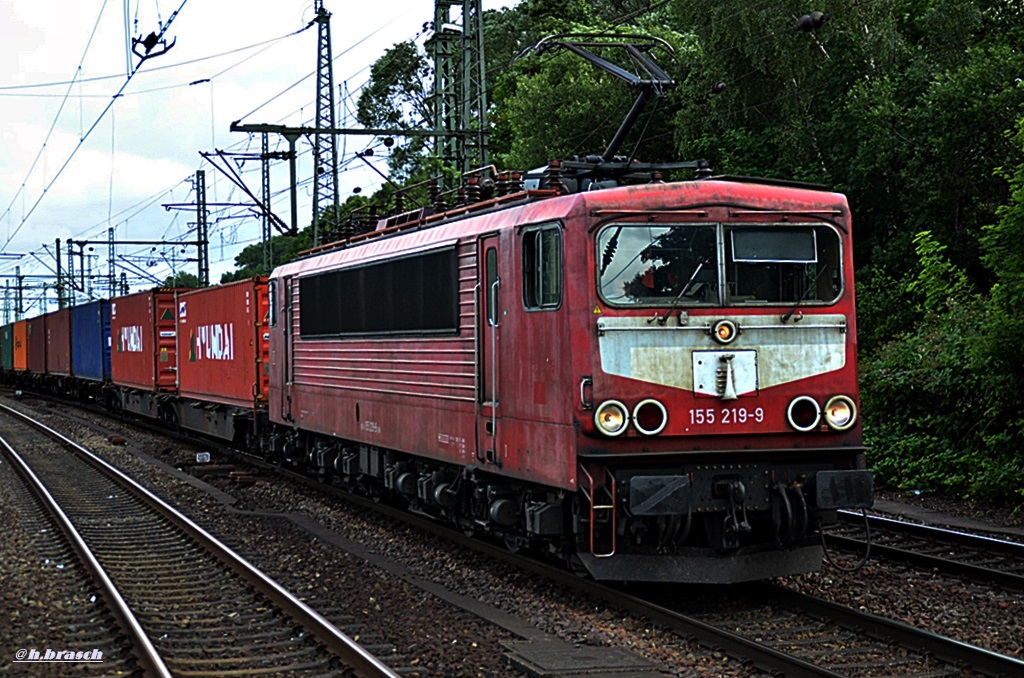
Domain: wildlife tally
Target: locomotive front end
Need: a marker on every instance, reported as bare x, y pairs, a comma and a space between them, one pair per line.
720, 427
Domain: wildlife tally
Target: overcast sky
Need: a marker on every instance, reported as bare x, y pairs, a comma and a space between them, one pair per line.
144, 151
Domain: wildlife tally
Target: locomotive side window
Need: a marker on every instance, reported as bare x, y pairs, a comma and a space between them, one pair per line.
417, 294
492, 285
272, 303
542, 267
658, 265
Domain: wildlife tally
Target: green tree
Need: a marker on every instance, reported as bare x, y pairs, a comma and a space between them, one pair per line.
397, 92
1004, 257
284, 248
251, 261
182, 279
901, 104
397, 97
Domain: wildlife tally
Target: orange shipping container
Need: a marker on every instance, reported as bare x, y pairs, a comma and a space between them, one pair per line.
21, 345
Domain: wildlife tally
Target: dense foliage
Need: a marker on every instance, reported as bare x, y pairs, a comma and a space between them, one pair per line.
913, 108
907, 106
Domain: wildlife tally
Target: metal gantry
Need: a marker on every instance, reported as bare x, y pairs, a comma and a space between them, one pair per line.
459, 102
459, 97
268, 259
202, 229
325, 148
474, 87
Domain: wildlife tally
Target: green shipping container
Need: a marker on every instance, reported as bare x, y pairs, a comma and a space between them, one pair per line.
7, 347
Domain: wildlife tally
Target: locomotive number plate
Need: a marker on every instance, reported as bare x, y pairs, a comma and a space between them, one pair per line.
730, 415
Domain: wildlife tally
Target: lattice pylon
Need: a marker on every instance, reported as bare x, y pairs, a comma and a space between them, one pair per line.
325, 151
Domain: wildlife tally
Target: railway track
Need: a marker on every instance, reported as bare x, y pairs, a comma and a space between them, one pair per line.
953, 552
187, 603
821, 638
777, 630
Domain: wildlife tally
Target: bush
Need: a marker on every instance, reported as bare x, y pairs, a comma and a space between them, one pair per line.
940, 412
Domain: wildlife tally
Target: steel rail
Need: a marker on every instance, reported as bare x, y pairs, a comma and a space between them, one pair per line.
947, 649
147, 655
941, 533
358, 659
735, 645
937, 534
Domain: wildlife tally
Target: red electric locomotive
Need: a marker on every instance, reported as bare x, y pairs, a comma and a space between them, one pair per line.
652, 381
655, 381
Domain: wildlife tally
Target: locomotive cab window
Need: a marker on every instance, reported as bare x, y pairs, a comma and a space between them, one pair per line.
787, 264
658, 265
542, 267
722, 265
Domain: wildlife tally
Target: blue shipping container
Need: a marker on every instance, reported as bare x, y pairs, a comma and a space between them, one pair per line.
90, 340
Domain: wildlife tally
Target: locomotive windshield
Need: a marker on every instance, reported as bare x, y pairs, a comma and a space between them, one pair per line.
720, 264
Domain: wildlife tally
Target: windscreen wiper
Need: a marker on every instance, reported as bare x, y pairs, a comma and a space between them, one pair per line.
663, 319
803, 297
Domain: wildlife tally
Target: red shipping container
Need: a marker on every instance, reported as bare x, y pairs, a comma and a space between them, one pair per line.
224, 343
37, 344
143, 329
58, 342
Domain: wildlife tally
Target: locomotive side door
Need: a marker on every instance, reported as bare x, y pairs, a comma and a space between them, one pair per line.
488, 345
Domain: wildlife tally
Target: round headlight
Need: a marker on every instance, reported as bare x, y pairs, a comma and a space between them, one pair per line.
650, 417
803, 413
611, 417
840, 412
724, 331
